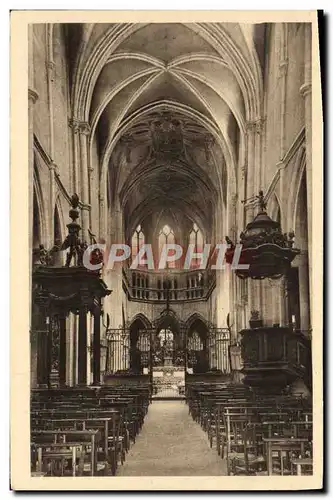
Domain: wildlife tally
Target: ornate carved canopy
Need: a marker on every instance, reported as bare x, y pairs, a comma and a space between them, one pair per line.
264, 248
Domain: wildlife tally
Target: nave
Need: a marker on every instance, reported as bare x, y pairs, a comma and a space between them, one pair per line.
154, 148
220, 429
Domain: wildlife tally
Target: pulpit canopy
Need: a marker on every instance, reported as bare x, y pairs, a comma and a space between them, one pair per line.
264, 249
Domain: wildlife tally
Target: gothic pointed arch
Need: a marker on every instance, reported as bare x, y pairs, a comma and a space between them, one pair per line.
141, 319
39, 213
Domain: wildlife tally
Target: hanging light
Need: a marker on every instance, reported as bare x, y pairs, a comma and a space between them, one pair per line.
266, 251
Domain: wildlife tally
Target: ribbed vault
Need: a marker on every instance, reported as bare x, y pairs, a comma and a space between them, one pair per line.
201, 81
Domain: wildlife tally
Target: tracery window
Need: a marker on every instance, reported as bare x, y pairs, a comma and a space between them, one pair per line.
195, 342
166, 237
165, 338
196, 239
138, 239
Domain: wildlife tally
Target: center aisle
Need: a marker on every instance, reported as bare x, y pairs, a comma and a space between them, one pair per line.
171, 444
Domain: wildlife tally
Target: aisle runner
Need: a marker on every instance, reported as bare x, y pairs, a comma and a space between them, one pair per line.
171, 444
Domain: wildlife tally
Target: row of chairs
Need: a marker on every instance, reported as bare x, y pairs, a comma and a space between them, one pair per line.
255, 433
85, 431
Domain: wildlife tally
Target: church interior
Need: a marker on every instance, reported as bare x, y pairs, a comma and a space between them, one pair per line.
178, 136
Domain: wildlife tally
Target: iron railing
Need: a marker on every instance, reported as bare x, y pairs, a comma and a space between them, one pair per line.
146, 353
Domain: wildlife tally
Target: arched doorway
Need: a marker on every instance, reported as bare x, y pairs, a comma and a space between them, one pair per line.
164, 350
197, 347
298, 282
140, 347
168, 363
152, 350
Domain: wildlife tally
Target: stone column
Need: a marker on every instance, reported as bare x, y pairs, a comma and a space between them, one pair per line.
303, 279
52, 171
50, 70
32, 98
84, 131
306, 92
73, 123
249, 208
283, 70
114, 277
254, 183
258, 174
232, 280
93, 202
103, 207
283, 81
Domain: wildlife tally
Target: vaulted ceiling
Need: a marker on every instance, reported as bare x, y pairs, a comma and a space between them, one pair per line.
168, 106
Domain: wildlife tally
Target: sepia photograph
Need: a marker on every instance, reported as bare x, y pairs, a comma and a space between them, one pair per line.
173, 196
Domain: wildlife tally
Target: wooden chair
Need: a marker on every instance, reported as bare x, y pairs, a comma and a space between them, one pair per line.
284, 441
248, 459
67, 442
59, 459
242, 446
299, 464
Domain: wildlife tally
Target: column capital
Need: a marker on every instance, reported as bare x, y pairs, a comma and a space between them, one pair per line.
32, 95
79, 126
74, 125
305, 89
255, 126
50, 67
84, 128
250, 126
259, 125
283, 67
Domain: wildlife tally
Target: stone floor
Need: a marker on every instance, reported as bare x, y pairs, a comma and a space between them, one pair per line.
171, 444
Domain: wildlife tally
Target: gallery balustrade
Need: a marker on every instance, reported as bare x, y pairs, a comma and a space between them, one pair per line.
173, 285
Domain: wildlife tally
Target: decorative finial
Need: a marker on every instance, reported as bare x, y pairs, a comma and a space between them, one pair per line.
291, 236
45, 257
262, 203
75, 200
72, 240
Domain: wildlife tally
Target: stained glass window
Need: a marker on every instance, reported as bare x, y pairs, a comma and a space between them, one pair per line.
138, 239
196, 239
166, 237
